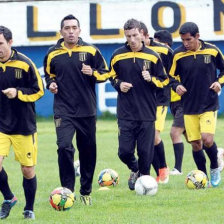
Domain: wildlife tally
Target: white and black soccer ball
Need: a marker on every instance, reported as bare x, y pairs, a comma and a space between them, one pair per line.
77, 168
146, 185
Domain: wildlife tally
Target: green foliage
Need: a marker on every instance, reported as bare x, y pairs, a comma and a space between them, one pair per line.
107, 116
173, 204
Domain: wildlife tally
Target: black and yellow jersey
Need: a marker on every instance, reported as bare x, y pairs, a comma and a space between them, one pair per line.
139, 103
17, 116
76, 95
196, 71
166, 54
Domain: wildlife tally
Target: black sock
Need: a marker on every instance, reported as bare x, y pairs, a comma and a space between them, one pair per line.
155, 162
30, 187
200, 160
161, 154
212, 154
4, 186
178, 152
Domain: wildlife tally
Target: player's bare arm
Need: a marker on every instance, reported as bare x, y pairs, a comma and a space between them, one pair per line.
11, 93
125, 87
87, 70
216, 86
53, 87
180, 90
146, 75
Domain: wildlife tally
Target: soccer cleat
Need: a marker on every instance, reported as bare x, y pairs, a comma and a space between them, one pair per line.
6, 207
215, 177
175, 172
220, 157
28, 214
164, 175
86, 199
132, 180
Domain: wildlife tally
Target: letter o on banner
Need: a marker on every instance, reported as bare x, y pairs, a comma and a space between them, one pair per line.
157, 20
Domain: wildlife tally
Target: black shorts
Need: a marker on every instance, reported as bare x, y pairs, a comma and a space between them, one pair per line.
176, 109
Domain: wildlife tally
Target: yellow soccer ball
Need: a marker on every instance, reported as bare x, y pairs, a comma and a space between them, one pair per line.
108, 177
196, 179
61, 199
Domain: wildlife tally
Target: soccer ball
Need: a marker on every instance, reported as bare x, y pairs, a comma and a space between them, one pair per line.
108, 177
61, 199
77, 168
146, 185
196, 179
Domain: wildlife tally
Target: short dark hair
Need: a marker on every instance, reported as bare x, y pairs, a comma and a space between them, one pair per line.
144, 28
132, 24
6, 33
189, 27
164, 36
69, 17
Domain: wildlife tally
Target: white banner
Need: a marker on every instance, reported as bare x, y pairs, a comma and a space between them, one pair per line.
38, 22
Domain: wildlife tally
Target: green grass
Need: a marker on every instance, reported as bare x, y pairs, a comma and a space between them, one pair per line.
173, 204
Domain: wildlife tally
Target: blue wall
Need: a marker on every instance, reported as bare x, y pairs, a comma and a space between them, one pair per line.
44, 106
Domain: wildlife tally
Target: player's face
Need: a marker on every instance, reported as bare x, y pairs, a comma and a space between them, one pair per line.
190, 43
134, 39
5, 48
70, 32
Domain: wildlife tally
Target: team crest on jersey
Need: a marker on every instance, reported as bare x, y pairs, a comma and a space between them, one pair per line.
207, 59
147, 64
18, 73
28, 155
82, 56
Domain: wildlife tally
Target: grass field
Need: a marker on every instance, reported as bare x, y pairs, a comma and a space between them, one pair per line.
173, 204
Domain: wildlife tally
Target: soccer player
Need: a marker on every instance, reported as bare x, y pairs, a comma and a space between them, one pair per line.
176, 108
74, 103
195, 65
162, 102
163, 36
136, 73
21, 86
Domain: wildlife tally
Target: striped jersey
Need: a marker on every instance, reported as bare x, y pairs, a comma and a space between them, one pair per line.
139, 103
76, 95
196, 71
17, 116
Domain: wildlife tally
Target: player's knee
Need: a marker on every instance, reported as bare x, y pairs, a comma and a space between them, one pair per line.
208, 142
175, 136
207, 139
157, 141
1, 161
28, 172
172, 135
196, 145
157, 138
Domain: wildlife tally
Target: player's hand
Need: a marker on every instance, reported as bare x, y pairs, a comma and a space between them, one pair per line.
146, 75
125, 87
87, 70
215, 86
11, 93
180, 90
53, 87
